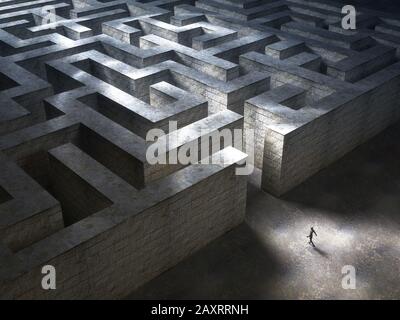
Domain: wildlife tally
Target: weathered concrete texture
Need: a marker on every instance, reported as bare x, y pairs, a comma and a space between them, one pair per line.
350, 79
354, 207
76, 188
80, 92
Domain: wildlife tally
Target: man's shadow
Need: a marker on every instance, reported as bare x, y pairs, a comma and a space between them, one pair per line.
320, 252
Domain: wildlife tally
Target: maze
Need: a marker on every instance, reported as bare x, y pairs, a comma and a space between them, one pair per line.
83, 82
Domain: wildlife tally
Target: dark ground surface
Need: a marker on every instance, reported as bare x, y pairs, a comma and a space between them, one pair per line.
382, 5
354, 205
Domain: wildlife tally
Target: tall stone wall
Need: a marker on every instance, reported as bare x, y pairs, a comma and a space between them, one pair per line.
118, 248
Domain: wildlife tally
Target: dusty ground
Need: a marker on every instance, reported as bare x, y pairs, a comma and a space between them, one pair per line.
354, 205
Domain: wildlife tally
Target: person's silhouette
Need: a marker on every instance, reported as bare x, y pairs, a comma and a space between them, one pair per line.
310, 236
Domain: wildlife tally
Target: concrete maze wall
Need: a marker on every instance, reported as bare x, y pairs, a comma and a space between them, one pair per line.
81, 89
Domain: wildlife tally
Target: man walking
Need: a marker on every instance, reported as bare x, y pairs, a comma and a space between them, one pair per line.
310, 236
